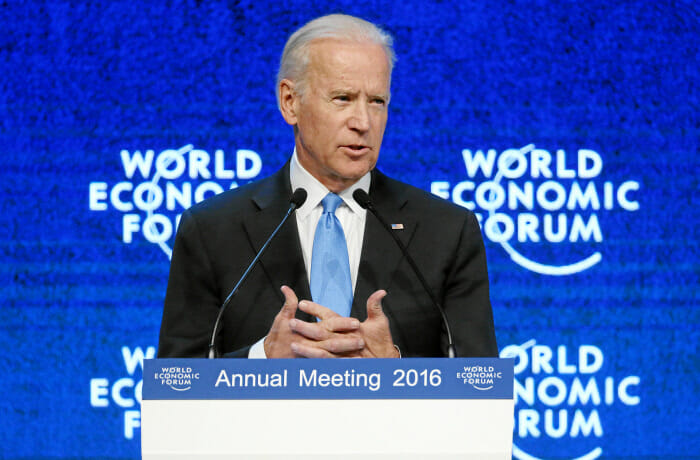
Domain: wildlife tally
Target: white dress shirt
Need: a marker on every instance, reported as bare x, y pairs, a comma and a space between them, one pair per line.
350, 214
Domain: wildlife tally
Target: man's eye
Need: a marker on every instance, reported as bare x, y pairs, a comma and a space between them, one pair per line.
378, 101
342, 98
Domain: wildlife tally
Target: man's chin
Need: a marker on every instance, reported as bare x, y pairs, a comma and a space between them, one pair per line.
354, 176
337, 183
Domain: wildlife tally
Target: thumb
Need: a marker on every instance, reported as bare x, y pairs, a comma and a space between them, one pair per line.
291, 302
374, 304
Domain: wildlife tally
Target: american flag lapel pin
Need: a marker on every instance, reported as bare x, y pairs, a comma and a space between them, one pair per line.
397, 226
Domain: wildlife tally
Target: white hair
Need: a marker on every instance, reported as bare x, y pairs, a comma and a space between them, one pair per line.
295, 57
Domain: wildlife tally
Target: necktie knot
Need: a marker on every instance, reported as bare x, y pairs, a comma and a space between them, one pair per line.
331, 202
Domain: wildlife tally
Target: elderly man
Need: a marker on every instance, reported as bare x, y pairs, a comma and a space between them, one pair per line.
346, 289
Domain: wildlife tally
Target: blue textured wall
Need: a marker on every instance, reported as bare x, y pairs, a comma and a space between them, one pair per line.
82, 293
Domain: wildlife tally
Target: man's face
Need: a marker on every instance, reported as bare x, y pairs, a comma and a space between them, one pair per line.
340, 119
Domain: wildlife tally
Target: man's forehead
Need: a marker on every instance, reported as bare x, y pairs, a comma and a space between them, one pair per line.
340, 59
322, 50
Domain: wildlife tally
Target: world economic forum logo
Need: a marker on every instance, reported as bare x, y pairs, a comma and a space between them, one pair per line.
158, 187
529, 195
177, 378
482, 378
563, 395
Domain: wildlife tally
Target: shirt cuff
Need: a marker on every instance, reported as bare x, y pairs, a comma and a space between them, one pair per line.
257, 351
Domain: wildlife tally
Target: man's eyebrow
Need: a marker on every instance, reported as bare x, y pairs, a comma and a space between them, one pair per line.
354, 92
374, 96
336, 91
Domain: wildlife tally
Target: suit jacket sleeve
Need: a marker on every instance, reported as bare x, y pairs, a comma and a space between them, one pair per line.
192, 300
466, 295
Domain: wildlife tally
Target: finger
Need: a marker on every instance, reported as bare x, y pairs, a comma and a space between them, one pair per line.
291, 302
341, 324
319, 311
325, 329
340, 344
374, 304
327, 348
305, 351
312, 331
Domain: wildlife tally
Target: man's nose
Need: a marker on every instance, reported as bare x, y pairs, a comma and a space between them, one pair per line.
360, 117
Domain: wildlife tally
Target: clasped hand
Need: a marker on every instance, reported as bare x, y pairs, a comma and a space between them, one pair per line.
333, 336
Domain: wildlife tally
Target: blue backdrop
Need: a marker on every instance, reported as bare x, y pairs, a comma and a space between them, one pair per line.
570, 128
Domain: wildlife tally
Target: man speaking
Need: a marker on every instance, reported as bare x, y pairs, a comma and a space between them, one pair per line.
333, 282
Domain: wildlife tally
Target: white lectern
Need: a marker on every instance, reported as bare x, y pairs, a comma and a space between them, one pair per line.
326, 408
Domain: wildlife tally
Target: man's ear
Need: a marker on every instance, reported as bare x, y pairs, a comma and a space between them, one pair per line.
288, 101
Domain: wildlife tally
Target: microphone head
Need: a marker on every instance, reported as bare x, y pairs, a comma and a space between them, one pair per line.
298, 197
362, 198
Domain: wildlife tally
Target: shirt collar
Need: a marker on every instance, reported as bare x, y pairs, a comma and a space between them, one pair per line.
316, 191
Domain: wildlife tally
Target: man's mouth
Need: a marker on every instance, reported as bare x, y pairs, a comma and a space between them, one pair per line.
356, 147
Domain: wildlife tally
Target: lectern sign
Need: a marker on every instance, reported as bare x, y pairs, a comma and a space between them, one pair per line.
198, 379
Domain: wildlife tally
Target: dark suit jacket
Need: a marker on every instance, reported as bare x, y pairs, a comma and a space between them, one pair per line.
218, 238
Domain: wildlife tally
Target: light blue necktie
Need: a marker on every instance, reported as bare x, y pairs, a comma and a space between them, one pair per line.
331, 285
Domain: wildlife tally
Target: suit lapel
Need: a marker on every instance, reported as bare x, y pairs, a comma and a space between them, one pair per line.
282, 262
380, 253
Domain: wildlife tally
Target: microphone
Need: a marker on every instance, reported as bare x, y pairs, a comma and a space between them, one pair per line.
365, 201
298, 198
